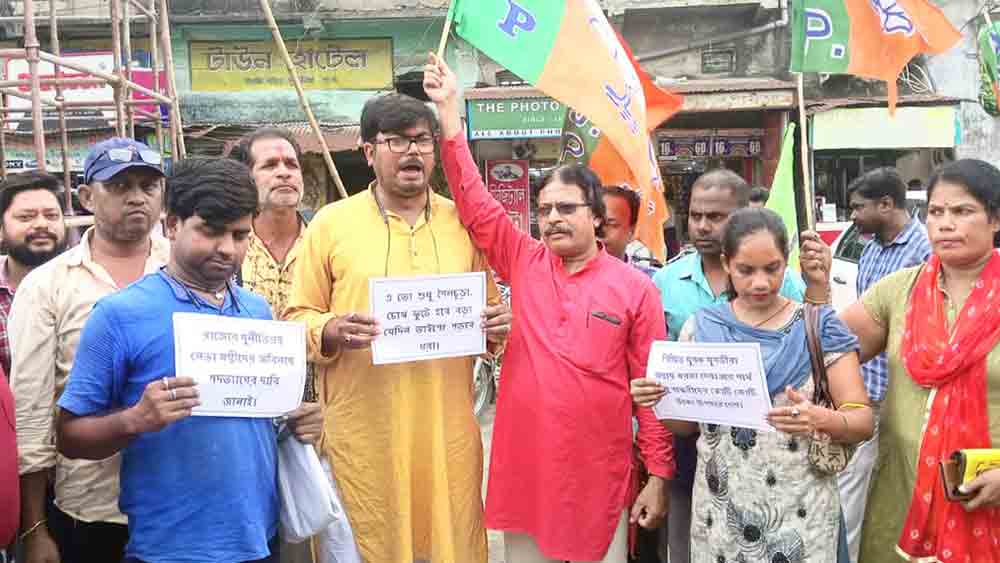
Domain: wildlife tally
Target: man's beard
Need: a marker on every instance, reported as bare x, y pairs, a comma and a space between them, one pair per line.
23, 254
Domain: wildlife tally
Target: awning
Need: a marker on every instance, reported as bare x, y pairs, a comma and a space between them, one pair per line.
873, 128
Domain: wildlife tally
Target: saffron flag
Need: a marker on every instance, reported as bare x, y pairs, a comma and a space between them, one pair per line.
568, 50
584, 143
782, 198
867, 38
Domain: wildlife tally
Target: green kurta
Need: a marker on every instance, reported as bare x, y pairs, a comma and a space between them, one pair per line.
904, 410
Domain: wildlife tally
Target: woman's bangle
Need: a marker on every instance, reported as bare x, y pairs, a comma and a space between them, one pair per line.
34, 527
853, 406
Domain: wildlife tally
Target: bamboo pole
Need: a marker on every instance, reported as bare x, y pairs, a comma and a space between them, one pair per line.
3, 138
265, 6
101, 74
154, 54
23, 96
444, 33
176, 127
127, 52
146, 12
807, 187
63, 138
31, 50
26, 83
116, 54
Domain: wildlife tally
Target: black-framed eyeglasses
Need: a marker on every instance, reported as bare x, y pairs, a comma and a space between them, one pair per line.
401, 145
561, 208
129, 154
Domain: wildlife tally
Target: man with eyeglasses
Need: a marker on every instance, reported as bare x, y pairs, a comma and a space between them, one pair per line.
561, 474
402, 439
122, 187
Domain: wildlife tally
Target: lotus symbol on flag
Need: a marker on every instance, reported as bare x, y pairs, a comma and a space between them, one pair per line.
894, 17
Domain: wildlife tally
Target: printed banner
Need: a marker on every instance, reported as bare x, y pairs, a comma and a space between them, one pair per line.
243, 367
428, 317
322, 64
507, 181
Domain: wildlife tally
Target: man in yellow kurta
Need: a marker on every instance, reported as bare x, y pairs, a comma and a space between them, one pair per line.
402, 440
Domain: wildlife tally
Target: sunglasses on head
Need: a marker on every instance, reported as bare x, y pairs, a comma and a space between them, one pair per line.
128, 155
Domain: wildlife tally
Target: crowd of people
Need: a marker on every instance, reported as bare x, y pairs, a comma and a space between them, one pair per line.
105, 463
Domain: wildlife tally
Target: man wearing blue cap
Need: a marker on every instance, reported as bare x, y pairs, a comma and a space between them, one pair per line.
123, 188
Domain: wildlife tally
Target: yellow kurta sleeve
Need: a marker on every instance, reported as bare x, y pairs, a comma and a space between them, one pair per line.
311, 297
492, 298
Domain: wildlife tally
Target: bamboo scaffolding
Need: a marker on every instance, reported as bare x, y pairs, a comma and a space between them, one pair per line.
154, 62
127, 52
63, 137
116, 56
127, 111
26, 83
265, 6
31, 51
176, 127
3, 138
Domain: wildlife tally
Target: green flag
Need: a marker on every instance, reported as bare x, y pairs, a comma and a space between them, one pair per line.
989, 48
782, 198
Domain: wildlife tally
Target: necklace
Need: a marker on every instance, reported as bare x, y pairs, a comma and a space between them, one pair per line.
219, 295
774, 314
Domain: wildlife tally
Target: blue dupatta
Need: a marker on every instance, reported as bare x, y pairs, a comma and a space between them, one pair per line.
786, 356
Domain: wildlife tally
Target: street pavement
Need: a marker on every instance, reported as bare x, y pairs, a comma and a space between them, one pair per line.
486, 427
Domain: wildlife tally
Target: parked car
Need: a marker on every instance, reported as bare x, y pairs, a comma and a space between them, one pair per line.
847, 252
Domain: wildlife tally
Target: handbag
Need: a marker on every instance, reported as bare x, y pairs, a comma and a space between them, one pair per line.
308, 502
825, 455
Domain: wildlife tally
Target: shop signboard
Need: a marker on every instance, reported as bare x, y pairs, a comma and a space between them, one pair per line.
682, 144
515, 118
508, 182
322, 64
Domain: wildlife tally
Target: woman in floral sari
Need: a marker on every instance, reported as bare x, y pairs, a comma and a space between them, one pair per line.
757, 497
940, 324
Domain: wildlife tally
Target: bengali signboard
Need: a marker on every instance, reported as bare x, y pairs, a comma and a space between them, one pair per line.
322, 64
508, 182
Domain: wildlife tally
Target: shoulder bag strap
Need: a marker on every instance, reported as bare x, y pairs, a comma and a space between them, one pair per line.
821, 383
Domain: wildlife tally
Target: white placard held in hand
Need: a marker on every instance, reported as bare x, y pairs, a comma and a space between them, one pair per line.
243, 367
711, 383
428, 317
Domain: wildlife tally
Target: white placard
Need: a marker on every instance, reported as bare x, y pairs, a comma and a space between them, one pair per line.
243, 367
711, 383
428, 317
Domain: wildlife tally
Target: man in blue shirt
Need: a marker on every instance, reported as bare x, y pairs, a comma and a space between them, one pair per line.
696, 279
195, 489
878, 208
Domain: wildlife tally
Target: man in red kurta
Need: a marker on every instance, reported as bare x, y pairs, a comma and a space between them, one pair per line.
561, 464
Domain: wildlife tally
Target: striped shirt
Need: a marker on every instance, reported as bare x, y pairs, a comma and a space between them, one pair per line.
910, 248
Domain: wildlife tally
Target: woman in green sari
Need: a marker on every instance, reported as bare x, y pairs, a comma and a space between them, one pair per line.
940, 324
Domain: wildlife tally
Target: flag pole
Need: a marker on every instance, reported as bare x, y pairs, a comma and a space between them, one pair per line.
279, 42
986, 14
807, 187
447, 29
